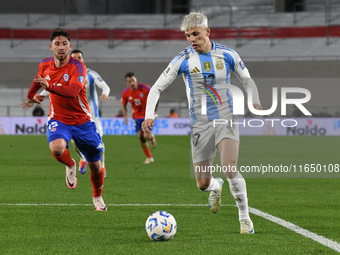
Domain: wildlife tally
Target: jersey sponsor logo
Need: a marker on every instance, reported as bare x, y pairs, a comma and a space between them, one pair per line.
66, 77
195, 70
219, 64
81, 78
242, 65
48, 77
141, 95
207, 66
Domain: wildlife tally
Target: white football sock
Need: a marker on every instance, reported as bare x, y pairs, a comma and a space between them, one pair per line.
214, 185
102, 158
238, 189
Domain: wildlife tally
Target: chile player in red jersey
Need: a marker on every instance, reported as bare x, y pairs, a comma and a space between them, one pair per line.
69, 116
137, 94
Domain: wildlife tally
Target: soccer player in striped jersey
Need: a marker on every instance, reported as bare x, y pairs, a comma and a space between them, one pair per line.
93, 79
205, 67
137, 93
69, 117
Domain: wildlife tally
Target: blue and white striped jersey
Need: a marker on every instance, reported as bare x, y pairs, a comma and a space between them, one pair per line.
93, 79
206, 77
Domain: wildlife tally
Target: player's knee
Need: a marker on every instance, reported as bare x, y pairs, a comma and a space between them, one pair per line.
57, 150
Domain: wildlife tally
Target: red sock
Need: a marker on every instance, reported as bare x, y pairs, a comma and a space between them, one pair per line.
97, 181
147, 152
65, 158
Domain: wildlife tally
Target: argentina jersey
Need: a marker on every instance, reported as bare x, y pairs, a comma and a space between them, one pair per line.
91, 93
205, 77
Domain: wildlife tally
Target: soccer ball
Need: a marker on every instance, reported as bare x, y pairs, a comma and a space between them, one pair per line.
161, 226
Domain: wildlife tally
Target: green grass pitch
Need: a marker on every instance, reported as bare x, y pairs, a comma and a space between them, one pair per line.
30, 175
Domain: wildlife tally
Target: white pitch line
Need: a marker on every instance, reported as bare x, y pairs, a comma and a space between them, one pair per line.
320, 239
182, 205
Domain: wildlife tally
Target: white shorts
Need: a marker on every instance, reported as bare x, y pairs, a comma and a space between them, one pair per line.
205, 138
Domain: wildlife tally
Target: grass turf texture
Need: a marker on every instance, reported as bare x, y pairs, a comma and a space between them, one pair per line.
29, 174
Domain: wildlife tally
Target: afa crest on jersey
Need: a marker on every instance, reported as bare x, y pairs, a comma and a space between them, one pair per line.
81, 78
66, 77
219, 64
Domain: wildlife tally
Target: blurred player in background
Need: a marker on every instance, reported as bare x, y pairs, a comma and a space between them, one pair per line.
92, 80
205, 67
172, 114
137, 93
69, 118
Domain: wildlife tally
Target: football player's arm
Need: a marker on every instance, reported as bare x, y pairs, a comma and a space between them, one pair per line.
164, 80
103, 86
124, 109
71, 91
76, 83
32, 96
156, 107
28, 104
157, 104
242, 73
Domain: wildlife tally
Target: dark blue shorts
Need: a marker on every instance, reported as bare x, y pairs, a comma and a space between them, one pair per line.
138, 124
85, 136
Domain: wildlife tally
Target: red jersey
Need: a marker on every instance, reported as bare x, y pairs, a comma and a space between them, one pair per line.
137, 98
67, 91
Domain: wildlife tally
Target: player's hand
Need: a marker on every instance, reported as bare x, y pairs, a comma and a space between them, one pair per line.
147, 125
126, 121
37, 99
257, 107
104, 98
26, 105
43, 82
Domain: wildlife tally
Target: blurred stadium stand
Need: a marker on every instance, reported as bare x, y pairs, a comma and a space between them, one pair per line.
259, 30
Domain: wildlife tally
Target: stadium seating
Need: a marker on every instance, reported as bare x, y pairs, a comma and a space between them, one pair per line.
252, 24
252, 27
